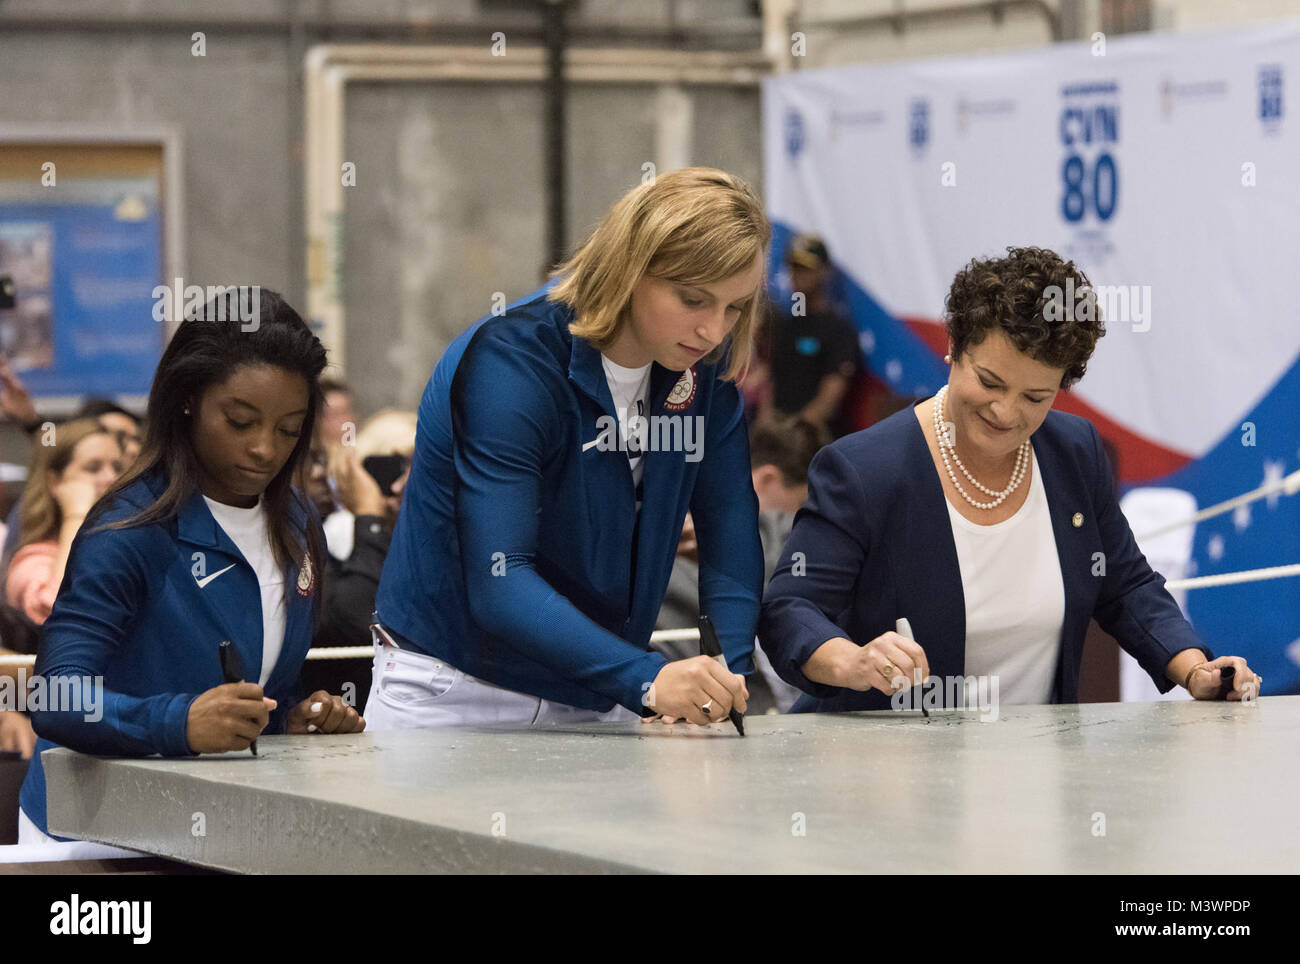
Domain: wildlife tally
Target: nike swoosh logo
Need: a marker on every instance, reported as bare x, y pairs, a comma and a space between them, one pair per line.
207, 579
587, 445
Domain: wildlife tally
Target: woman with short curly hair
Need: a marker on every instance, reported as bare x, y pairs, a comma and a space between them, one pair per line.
986, 520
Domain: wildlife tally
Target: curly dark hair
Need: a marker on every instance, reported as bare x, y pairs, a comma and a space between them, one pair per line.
1016, 294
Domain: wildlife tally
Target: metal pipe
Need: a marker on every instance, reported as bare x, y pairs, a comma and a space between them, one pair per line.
729, 34
899, 18
554, 15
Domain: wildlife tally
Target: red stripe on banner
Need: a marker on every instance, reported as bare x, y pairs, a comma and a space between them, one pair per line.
933, 333
1141, 460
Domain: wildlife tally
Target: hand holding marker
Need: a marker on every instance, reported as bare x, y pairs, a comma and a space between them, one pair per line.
709, 646
232, 671
904, 628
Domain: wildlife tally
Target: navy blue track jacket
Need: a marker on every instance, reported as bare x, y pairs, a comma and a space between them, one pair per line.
518, 556
145, 607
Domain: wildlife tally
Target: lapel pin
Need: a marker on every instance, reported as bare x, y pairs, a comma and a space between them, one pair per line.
1077, 520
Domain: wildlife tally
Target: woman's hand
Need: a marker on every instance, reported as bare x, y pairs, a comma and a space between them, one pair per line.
75, 497
356, 489
888, 663
227, 717
684, 686
16, 734
15, 400
324, 713
1204, 684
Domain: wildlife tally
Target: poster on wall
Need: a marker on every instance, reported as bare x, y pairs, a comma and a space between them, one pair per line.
84, 254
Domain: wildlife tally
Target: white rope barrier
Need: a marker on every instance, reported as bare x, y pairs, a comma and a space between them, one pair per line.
1287, 486
675, 636
689, 635
341, 652
365, 652
1230, 578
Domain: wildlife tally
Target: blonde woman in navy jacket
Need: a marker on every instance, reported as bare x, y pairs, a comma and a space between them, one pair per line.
206, 539
986, 520
539, 527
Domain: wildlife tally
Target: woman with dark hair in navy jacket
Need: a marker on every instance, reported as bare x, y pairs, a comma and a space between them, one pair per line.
204, 540
986, 520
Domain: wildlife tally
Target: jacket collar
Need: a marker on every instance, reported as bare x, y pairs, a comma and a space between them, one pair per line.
587, 372
195, 523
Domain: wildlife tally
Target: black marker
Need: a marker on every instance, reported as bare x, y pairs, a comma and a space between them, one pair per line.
1227, 676
232, 671
709, 646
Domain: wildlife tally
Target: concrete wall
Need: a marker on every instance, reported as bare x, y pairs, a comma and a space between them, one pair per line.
449, 202
449, 206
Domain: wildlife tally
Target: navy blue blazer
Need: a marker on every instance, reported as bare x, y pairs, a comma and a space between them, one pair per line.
876, 544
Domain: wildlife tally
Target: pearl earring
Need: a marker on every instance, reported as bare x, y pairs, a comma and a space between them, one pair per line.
187, 410
947, 359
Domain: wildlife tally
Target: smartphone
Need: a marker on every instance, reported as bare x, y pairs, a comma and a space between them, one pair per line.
385, 469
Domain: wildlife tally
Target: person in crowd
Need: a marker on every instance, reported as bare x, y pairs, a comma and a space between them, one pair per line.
204, 541
547, 493
986, 520
812, 351
15, 401
124, 426
338, 418
384, 445
16, 733
67, 477
779, 454
368, 479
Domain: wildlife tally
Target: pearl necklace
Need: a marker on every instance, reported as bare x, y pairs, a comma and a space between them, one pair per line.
946, 443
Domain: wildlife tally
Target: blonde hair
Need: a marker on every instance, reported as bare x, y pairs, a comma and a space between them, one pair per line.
695, 226
387, 432
41, 518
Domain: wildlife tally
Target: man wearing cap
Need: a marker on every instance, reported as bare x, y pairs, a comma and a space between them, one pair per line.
814, 350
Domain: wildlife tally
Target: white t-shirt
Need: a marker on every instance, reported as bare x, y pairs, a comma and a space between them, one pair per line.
1015, 597
247, 530
630, 388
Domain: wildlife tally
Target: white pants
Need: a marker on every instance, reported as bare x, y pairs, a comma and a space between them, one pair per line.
411, 691
29, 833
36, 846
